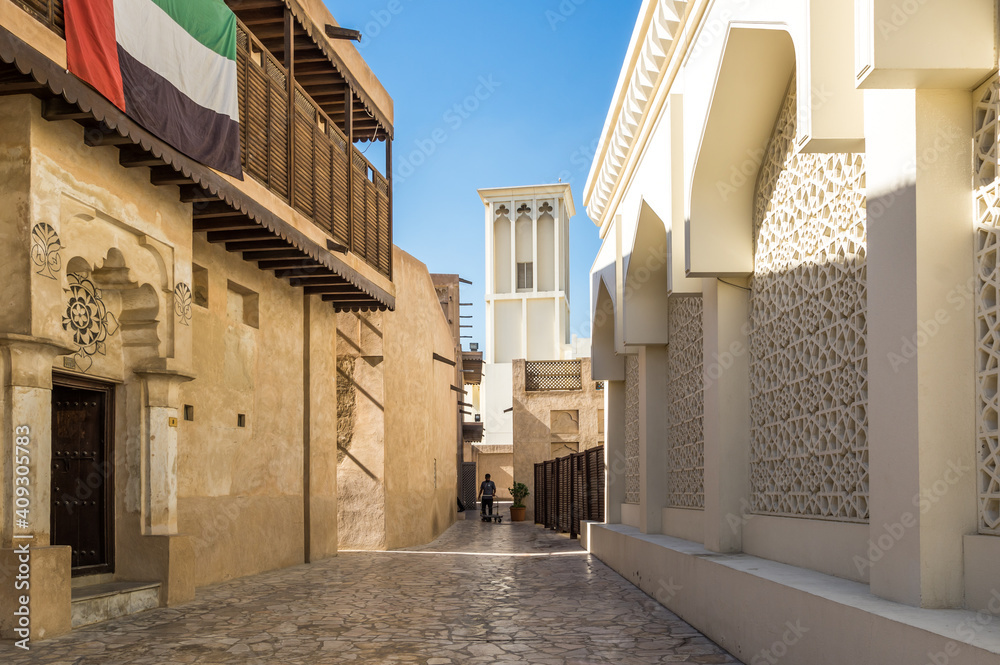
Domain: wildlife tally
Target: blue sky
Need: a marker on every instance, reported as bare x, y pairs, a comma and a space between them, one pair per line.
490, 94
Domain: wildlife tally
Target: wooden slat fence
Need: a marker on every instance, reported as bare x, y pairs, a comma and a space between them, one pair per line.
570, 489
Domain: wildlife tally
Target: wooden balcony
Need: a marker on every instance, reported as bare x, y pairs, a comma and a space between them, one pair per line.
298, 146
351, 204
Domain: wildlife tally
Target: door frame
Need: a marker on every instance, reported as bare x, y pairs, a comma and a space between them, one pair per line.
86, 383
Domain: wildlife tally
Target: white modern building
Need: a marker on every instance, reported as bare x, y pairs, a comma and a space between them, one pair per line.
795, 310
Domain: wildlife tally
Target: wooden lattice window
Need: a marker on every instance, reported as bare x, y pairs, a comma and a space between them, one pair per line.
557, 375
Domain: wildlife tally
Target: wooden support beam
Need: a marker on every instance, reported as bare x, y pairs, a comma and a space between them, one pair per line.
202, 225
319, 280
312, 271
215, 209
166, 175
332, 289
259, 254
247, 234
347, 297
269, 242
195, 194
58, 108
105, 136
134, 157
280, 264
442, 359
21, 87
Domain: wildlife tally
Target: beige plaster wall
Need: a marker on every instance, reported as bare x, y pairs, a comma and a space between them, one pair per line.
240, 488
398, 426
15, 227
421, 427
360, 431
537, 438
500, 466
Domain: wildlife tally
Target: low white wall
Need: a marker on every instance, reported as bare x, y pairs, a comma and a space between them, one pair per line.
833, 548
764, 612
631, 514
684, 523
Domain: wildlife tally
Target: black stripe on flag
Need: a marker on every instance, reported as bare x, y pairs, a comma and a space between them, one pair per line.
203, 134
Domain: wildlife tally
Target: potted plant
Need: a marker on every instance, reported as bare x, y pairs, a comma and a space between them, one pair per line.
518, 491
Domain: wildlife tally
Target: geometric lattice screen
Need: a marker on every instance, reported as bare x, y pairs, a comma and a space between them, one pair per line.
808, 360
632, 429
987, 201
685, 404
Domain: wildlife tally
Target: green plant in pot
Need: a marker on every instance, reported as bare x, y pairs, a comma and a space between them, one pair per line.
519, 491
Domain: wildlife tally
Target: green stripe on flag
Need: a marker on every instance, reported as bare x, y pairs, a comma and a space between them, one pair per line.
211, 22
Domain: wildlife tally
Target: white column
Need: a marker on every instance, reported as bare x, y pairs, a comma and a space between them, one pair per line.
652, 436
490, 258
727, 413
159, 450
921, 343
534, 245
513, 247
557, 245
614, 450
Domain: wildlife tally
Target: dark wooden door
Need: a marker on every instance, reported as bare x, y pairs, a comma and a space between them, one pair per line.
82, 465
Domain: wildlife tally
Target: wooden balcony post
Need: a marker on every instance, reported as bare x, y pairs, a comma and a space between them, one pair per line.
290, 88
349, 132
388, 184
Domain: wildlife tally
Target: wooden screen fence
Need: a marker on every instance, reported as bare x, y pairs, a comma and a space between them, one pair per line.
570, 489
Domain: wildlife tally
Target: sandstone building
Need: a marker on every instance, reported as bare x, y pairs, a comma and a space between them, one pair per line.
176, 344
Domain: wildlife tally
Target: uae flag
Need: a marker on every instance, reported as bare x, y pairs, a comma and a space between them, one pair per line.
169, 64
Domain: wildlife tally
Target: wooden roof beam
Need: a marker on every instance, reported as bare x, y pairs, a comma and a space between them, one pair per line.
247, 234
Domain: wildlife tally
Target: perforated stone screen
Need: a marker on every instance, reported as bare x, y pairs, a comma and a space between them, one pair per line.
685, 405
631, 429
553, 375
808, 370
987, 201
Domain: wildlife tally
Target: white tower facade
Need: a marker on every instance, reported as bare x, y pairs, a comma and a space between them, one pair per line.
527, 290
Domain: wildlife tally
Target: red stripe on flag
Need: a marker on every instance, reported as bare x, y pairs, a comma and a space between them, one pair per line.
91, 46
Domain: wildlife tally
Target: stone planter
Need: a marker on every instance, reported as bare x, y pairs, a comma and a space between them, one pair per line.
517, 514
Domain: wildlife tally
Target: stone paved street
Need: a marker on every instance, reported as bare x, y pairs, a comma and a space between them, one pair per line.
482, 593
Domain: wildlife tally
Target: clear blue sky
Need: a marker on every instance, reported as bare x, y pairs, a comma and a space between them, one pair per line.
544, 72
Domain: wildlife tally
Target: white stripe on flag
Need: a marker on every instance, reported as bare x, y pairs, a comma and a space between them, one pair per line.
153, 38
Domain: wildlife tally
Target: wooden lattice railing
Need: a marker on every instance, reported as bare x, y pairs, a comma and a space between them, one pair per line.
553, 375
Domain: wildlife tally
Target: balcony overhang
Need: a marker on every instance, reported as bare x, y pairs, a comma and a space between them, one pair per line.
472, 432
472, 366
220, 209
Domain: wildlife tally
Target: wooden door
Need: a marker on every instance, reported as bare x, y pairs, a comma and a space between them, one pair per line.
82, 472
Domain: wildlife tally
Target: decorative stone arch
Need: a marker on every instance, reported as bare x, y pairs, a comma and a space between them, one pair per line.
606, 364
644, 305
90, 234
757, 66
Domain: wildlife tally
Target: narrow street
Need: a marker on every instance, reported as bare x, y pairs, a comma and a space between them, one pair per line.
481, 593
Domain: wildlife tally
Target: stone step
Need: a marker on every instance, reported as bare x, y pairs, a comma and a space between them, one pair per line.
101, 602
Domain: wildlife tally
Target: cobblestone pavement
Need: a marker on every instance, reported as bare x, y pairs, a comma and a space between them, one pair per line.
481, 593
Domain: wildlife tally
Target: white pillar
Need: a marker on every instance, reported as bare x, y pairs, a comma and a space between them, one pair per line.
727, 413
652, 436
614, 450
921, 346
159, 450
